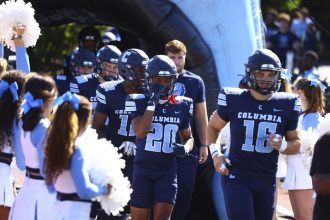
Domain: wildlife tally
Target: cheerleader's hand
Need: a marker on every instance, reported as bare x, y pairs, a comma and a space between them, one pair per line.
128, 147
18, 31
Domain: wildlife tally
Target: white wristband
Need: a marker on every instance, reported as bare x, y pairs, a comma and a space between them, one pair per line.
215, 150
283, 147
151, 108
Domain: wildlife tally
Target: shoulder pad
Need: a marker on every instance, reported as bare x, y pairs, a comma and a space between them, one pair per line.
111, 85
61, 77
232, 91
130, 104
137, 96
285, 95
228, 91
82, 79
289, 98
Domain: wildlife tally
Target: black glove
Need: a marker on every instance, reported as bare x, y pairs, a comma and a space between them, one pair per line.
179, 150
155, 93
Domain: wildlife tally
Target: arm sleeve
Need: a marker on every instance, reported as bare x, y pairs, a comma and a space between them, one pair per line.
1, 50
74, 88
37, 138
85, 188
223, 110
310, 120
293, 118
17, 146
201, 91
22, 60
102, 105
320, 161
140, 106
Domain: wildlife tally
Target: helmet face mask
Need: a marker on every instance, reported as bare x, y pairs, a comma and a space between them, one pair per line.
263, 72
84, 69
89, 38
81, 60
264, 82
109, 71
161, 70
166, 81
107, 62
132, 67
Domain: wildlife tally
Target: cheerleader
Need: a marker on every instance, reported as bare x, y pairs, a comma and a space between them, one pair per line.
11, 93
65, 159
298, 181
35, 197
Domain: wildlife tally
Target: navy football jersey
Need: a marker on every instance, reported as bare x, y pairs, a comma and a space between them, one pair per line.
62, 83
111, 99
191, 85
156, 148
251, 122
86, 85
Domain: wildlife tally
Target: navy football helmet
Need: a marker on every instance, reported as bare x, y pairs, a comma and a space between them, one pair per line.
82, 57
132, 62
107, 54
161, 66
89, 37
263, 59
108, 37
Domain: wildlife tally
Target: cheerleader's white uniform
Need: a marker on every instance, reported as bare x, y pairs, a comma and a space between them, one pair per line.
75, 190
297, 176
6, 183
6, 178
6, 153
35, 198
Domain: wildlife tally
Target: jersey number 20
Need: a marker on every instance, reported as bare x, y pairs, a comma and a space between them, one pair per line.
160, 138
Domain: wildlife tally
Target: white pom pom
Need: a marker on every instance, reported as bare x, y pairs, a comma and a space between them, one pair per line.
18, 13
105, 167
324, 125
3, 15
308, 140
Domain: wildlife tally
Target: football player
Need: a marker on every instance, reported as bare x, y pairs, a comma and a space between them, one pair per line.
156, 121
107, 62
85, 81
190, 85
259, 118
88, 38
111, 97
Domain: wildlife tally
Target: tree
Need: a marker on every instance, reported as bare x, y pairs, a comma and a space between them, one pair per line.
53, 44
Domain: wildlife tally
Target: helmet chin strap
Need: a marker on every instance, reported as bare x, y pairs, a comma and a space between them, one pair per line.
162, 101
264, 91
170, 99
